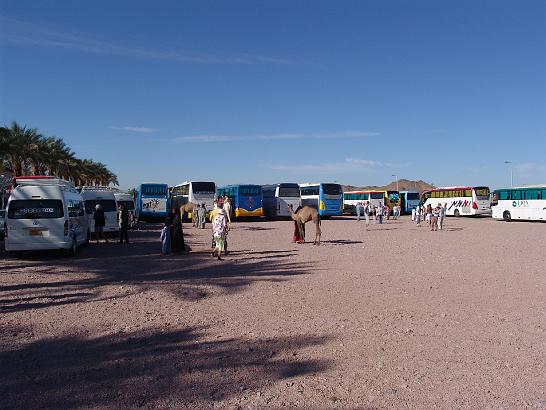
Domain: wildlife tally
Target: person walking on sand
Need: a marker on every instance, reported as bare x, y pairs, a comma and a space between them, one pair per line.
219, 232
123, 220
201, 216
418, 216
358, 209
100, 221
367, 213
165, 238
227, 208
428, 218
379, 213
441, 216
434, 220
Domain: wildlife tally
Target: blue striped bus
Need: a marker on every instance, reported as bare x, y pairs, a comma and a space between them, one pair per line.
246, 200
152, 201
326, 198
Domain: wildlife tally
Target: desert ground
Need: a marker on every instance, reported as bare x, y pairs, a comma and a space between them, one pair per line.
394, 316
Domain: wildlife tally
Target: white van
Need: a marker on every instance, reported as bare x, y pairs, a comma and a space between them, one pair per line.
45, 215
103, 196
127, 200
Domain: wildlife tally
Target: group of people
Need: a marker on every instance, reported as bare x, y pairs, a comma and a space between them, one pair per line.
377, 212
172, 234
434, 217
123, 223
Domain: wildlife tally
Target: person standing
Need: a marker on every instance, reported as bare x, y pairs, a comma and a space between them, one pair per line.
219, 232
367, 211
441, 216
123, 221
165, 238
379, 212
428, 217
202, 216
100, 221
358, 209
177, 234
434, 219
227, 208
418, 216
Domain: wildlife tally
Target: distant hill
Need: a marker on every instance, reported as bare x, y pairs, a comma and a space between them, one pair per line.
403, 185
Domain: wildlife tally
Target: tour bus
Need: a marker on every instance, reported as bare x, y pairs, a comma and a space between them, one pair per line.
460, 200
103, 196
45, 214
392, 198
246, 200
152, 201
524, 203
196, 192
325, 197
408, 201
127, 200
277, 197
351, 198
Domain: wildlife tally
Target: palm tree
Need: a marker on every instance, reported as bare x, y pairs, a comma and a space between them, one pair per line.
24, 150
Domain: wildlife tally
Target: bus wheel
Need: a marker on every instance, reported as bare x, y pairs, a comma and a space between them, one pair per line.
506, 216
73, 247
456, 213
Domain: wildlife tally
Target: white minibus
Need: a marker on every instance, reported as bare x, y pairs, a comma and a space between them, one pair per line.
45, 215
103, 196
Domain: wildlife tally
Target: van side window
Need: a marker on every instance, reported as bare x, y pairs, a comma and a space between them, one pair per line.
72, 207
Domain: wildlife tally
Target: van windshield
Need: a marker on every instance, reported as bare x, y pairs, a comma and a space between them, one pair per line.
107, 205
36, 209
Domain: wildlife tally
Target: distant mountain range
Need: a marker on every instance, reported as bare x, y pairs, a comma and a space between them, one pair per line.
403, 185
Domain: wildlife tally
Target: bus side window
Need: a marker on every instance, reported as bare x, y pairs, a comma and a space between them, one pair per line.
516, 195
531, 194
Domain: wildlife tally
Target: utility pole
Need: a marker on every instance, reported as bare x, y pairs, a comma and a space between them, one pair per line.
396, 176
511, 173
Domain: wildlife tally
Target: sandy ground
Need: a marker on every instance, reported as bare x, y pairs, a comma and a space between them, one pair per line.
396, 316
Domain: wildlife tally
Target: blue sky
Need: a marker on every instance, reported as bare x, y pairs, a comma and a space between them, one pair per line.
260, 92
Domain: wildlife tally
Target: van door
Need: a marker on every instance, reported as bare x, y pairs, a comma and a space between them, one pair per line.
36, 221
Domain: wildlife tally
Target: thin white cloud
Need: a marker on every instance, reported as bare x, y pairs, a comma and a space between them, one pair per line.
268, 137
16, 32
347, 165
134, 129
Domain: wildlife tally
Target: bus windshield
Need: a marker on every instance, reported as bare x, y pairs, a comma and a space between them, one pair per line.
203, 187
331, 189
288, 191
36, 209
107, 205
482, 193
250, 190
412, 196
154, 189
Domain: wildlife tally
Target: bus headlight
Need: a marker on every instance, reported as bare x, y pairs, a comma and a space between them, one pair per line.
321, 206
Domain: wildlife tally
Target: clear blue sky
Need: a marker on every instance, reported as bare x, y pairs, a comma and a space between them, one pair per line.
259, 92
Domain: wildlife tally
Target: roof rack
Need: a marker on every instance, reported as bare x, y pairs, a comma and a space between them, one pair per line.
97, 188
42, 181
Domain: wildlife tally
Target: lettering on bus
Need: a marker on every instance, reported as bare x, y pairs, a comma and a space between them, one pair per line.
520, 204
459, 204
153, 204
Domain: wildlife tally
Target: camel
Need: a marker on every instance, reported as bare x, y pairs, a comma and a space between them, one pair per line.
188, 208
303, 216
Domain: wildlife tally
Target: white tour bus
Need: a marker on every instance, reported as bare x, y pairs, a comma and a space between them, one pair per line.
103, 196
127, 200
460, 201
277, 197
45, 214
351, 198
196, 192
524, 203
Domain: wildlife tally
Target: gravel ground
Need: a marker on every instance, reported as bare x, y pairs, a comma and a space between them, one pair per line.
396, 316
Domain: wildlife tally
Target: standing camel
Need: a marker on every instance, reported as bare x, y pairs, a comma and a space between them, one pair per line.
303, 216
188, 208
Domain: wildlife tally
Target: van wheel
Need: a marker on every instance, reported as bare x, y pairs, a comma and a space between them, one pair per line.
73, 247
456, 213
506, 216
